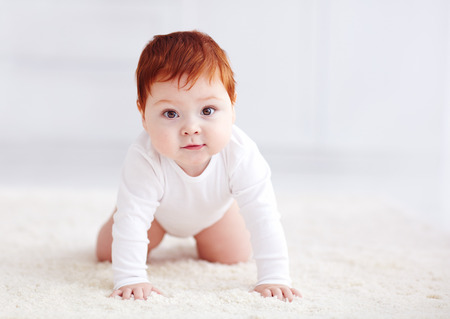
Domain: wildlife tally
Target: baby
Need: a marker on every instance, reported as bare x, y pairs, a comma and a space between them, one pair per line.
192, 172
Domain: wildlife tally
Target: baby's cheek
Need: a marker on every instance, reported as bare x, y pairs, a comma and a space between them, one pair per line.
222, 137
163, 144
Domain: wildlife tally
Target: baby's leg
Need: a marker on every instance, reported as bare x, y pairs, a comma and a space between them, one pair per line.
227, 241
104, 241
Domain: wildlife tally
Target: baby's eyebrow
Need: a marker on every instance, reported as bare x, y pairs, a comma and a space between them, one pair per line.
200, 99
163, 101
209, 98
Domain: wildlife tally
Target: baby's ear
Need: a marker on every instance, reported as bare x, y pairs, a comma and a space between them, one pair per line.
232, 105
142, 111
234, 113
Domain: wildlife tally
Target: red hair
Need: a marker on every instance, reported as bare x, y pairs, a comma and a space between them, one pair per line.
192, 53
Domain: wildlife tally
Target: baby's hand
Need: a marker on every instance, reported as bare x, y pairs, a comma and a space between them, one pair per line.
282, 292
139, 291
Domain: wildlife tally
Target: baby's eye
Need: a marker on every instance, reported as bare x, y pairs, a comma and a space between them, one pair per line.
208, 111
171, 114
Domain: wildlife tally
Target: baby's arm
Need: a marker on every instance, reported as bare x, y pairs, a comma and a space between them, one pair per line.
137, 199
252, 188
140, 291
258, 207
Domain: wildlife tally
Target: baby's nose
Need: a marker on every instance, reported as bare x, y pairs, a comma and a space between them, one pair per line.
191, 132
191, 128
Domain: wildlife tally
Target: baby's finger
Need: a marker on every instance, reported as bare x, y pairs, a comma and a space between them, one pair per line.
116, 293
287, 293
146, 292
296, 292
157, 290
276, 292
138, 294
126, 294
266, 293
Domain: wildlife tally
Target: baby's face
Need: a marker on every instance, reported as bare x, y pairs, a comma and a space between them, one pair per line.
189, 125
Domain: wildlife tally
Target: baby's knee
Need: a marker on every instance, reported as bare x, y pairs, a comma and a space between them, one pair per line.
104, 242
103, 256
225, 254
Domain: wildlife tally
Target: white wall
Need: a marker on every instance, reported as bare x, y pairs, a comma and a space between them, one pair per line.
347, 80
446, 145
70, 65
340, 74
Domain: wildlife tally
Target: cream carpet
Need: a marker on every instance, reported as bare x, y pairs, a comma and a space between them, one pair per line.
351, 257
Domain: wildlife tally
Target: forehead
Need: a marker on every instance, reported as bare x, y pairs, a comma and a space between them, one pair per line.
204, 85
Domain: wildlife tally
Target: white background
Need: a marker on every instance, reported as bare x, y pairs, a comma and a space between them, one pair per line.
342, 96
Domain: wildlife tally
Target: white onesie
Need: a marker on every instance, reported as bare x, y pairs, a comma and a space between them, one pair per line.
154, 186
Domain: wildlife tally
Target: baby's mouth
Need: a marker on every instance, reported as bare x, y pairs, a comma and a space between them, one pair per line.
194, 147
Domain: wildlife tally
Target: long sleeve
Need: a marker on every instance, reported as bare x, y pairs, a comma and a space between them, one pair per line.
137, 200
250, 183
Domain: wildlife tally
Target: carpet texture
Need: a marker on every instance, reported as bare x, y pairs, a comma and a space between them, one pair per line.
351, 257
